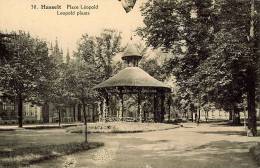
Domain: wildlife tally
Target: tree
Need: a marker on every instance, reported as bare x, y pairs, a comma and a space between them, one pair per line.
4, 53
100, 51
25, 68
153, 68
234, 41
93, 64
252, 68
79, 81
211, 56
184, 28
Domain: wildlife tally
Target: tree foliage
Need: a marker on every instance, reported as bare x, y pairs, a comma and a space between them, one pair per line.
100, 50
25, 70
208, 47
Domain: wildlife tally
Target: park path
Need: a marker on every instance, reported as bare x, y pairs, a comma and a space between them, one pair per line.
192, 146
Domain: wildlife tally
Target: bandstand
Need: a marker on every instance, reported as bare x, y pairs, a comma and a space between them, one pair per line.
132, 80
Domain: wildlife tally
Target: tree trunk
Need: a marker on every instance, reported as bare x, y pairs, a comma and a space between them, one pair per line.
192, 116
79, 112
251, 77
93, 112
45, 112
206, 115
198, 114
85, 128
20, 111
198, 110
252, 126
88, 113
74, 112
230, 115
84, 112
59, 113
198, 121
169, 115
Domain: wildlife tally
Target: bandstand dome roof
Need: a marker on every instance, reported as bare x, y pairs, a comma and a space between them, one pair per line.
132, 77
131, 51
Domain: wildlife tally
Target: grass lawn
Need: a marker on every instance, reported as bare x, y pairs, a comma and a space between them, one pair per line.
122, 127
24, 147
255, 151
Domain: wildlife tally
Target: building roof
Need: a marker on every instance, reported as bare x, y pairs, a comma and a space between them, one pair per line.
132, 77
131, 51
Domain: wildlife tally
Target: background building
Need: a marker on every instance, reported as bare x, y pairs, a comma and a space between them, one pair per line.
46, 113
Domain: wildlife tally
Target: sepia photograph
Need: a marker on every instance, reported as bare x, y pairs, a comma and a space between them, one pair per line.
129, 83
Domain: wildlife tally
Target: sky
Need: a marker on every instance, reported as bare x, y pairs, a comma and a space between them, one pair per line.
47, 25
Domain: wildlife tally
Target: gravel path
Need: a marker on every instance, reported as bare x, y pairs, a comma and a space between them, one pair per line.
192, 146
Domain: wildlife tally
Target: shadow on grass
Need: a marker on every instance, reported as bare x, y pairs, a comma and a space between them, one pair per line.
214, 121
226, 123
220, 154
226, 146
30, 155
255, 151
229, 123
240, 133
